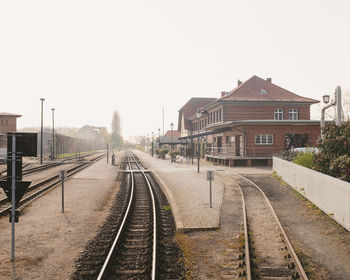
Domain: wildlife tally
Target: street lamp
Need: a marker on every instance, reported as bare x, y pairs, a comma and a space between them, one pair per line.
53, 134
152, 143
326, 98
199, 115
41, 134
158, 138
336, 102
171, 145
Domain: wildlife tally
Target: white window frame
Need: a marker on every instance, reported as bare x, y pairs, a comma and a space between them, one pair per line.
278, 114
293, 114
264, 139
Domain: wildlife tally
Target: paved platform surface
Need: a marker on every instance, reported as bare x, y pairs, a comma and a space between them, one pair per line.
47, 240
188, 191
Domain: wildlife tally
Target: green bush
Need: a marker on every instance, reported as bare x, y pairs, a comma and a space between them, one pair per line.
173, 154
161, 153
304, 159
334, 152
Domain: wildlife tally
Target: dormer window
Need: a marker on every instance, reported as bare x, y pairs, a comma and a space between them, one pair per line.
263, 91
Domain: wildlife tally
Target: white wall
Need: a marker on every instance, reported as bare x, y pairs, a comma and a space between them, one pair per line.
329, 194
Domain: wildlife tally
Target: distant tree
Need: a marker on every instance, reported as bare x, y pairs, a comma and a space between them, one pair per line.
117, 138
105, 135
334, 152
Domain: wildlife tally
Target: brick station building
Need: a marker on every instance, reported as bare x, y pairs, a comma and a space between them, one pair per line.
251, 123
8, 123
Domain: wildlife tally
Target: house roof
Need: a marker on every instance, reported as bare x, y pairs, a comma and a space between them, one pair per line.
258, 89
176, 134
190, 108
3, 114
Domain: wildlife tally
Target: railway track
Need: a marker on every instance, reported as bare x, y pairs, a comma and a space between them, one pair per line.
43, 186
137, 241
45, 166
268, 253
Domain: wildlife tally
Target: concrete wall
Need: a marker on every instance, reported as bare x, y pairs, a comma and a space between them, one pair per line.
331, 195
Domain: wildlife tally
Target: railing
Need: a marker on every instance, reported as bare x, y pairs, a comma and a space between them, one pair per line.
222, 151
231, 152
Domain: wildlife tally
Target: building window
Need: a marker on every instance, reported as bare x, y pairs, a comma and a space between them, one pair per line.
263, 139
293, 114
7, 122
278, 114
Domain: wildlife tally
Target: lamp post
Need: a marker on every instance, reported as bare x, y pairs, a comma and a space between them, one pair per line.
171, 145
336, 102
41, 134
158, 138
199, 115
152, 143
53, 134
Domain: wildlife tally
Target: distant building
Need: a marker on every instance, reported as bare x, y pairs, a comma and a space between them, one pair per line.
8, 123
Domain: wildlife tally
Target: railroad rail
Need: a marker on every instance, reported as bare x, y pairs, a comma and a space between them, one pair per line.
133, 252
46, 166
43, 186
268, 251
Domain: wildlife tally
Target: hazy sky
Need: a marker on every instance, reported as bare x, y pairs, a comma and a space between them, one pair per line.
89, 58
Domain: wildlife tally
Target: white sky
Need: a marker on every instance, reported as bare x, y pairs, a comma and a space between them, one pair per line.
89, 58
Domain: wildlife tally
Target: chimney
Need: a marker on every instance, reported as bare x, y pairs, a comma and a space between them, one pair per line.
269, 80
239, 82
223, 93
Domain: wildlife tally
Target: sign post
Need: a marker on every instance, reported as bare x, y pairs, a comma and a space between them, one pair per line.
210, 177
18, 145
62, 175
13, 207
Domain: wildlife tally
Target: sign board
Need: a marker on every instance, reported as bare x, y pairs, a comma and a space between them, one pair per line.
62, 174
210, 175
26, 143
21, 188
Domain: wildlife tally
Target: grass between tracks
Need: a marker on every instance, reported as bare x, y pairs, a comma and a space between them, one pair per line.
187, 248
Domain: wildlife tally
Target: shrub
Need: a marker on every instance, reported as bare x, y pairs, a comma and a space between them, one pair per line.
334, 152
161, 153
304, 159
173, 154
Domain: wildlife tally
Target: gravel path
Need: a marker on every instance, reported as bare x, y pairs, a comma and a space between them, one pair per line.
48, 241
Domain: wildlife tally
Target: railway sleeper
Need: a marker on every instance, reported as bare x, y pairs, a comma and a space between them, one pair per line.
140, 234
135, 252
134, 240
138, 245
129, 271
274, 271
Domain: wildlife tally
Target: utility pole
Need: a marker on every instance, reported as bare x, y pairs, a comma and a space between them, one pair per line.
53, 134
41, 134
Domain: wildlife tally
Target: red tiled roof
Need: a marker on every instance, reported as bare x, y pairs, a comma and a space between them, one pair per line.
176, 134
190, 108
258, 89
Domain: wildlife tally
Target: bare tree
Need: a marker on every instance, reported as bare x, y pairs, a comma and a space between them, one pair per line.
116, 129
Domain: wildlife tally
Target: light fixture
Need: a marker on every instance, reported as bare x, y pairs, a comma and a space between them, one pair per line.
199, 113
326, 98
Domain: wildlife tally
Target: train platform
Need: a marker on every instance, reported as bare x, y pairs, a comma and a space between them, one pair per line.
188, 192
47, 240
